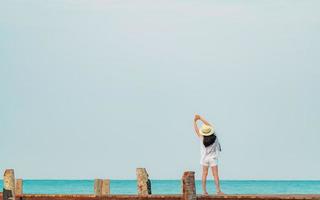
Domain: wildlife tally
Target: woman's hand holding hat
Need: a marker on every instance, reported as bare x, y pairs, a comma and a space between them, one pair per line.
196, 117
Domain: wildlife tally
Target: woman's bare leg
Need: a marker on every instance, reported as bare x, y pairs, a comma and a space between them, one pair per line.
216, 178
204, 179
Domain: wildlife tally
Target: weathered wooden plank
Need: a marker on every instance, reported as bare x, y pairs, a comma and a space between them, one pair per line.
143, 182
8, 185
19, 186
97, 187
188, 186
101, 187
105, 190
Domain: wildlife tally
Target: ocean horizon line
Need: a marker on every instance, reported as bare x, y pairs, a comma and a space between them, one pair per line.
71, 179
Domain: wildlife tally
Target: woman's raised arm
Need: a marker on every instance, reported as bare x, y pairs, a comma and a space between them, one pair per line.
196, 117
204, 121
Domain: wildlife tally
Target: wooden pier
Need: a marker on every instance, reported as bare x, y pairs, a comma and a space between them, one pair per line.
163, 197
13, 190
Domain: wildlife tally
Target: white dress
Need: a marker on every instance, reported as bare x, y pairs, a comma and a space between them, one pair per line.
209, 154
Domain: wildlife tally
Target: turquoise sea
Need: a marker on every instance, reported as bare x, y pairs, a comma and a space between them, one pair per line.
171, 187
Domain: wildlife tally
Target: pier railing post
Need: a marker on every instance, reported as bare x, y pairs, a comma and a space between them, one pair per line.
143, 182
8, 185
19, 186
105, 187
188, 186
101, 187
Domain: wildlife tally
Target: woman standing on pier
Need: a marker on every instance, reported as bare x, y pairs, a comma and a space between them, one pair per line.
210, 147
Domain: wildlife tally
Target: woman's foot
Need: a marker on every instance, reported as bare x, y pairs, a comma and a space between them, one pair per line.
220, 193
205, 193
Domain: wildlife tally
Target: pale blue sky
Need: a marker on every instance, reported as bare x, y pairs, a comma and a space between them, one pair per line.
96, 88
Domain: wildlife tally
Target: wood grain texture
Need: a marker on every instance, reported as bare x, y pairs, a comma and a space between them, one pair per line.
143, 182
19, 186
8, 185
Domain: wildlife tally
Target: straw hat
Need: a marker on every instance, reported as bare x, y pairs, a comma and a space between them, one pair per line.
206, 130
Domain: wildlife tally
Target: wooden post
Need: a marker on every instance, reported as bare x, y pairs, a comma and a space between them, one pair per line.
105, 190
19, 186
8, 185
101, 187
188, 186
97, 187
143, 182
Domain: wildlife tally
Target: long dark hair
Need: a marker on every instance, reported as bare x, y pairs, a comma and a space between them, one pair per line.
209, 140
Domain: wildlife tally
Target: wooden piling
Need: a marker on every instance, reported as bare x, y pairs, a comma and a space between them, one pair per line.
8, 185
97, 187
101, 187
19, 186
188, 186
105, 190
143, 182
